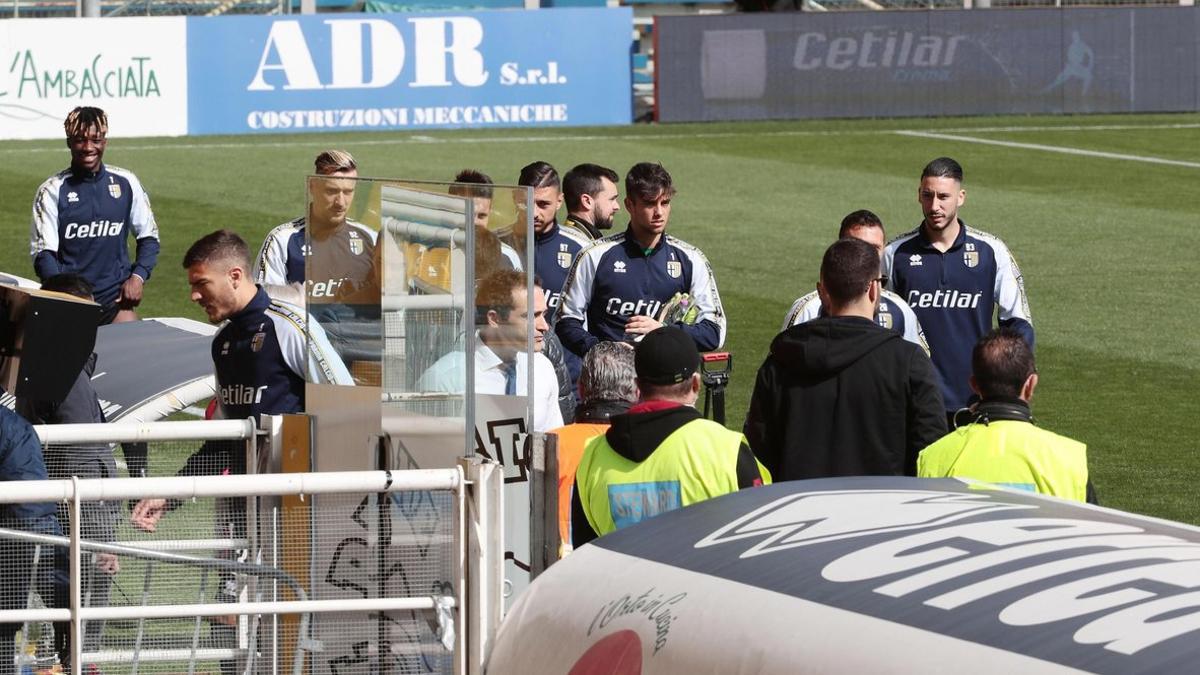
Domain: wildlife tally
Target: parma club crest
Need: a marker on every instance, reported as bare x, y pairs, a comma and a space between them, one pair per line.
356, 244
256, 342
114, 189
971, 258
674, 268
884, 318
564, 259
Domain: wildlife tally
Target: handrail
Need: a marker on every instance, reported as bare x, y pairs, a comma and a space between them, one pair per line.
256, 485
122, 432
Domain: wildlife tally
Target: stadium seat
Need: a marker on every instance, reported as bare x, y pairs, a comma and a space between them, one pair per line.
433, 272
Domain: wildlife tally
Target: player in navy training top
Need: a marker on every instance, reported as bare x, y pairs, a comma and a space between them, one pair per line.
619, 285
952, 276
263, 354
343, 251
554, 247
83, 216
891, 312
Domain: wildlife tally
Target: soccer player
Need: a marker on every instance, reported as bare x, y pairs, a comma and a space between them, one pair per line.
262, 355
592, 201
620, 285
892, 311
952, 276
343, 251
478, 186
555, 248
83, 216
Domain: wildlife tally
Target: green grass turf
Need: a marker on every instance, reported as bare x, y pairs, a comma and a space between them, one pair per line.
1106, 245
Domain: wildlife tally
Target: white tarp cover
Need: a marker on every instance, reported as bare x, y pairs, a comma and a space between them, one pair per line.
870, 574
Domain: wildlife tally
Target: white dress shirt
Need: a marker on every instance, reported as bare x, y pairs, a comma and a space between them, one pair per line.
447, 375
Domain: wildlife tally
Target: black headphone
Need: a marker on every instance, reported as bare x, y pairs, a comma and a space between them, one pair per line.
987, 412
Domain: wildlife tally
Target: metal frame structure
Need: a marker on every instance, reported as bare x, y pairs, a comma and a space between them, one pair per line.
478, 556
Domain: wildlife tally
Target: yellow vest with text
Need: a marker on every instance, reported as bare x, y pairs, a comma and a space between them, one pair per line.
1010, 453
696, 462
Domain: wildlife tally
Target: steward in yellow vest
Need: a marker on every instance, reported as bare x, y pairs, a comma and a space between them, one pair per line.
1000, 444
662, 454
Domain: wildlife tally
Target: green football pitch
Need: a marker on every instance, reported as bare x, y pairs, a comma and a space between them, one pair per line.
1100, 212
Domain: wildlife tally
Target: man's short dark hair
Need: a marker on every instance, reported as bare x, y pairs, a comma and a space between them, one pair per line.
1001, 362
943, 167
647, 180
585, 179
495, 293
538, 175
476, 184
847, 269
222, 245
69, 283
857, 219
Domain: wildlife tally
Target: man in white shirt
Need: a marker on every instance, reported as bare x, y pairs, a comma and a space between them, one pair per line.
501, 362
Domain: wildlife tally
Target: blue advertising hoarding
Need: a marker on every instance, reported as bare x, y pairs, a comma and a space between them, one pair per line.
408, 71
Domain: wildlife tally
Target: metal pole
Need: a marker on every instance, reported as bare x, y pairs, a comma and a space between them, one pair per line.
76, 579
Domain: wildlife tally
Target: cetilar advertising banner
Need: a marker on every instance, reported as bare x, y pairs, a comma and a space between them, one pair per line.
135, 69
359, 72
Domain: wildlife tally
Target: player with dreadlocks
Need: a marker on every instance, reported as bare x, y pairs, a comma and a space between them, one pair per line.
83, 216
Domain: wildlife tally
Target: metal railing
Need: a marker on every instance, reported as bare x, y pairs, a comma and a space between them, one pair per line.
465, 611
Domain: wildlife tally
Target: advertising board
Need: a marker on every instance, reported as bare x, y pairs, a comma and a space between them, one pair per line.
876, 64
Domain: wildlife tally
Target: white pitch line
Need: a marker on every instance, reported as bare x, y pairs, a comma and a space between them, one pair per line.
1052, 148
648, 136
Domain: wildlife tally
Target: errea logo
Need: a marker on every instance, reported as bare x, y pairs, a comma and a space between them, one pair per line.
914, 260
72, 197
619, 267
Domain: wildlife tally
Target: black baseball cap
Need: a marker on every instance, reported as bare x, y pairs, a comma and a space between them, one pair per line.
666, 355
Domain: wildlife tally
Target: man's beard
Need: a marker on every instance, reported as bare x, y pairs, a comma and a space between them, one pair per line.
600, 222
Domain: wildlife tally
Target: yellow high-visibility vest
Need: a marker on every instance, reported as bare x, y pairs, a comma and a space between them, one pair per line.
696, 462
1010, 453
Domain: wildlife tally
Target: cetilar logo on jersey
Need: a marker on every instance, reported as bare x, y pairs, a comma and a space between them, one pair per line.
94, 229
619, 307
950, 299
240, 394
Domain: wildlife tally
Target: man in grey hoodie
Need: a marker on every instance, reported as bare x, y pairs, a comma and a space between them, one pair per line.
841, 395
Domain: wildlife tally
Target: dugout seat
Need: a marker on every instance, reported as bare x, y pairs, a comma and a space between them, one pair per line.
433, 270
